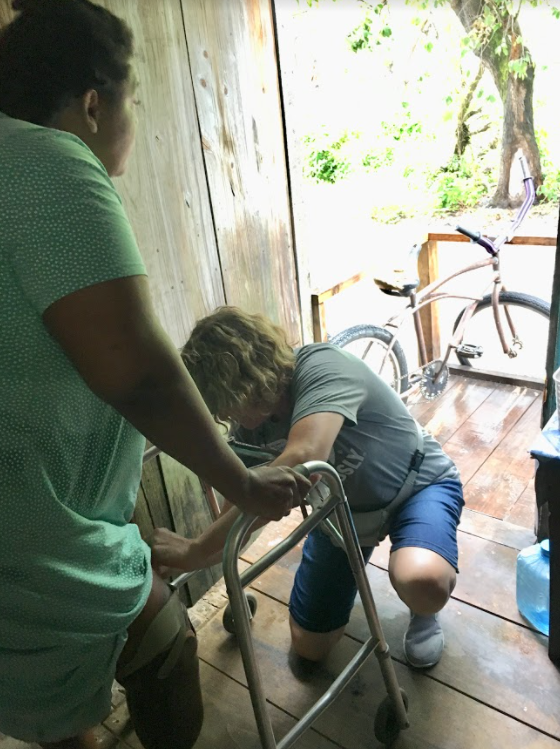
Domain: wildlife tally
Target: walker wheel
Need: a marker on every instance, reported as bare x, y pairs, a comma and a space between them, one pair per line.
227, 621
386, 725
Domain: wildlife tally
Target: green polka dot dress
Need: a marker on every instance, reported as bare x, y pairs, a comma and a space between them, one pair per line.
74, 572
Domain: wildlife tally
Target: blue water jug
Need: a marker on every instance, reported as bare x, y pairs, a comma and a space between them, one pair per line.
533, 585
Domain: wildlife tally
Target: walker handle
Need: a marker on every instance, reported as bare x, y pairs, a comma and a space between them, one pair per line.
303, 470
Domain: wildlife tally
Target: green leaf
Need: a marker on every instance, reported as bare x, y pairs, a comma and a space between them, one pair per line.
448, 100
491, 98
429, 47
386, 31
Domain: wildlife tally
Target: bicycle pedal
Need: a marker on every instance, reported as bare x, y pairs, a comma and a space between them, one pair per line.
470, 351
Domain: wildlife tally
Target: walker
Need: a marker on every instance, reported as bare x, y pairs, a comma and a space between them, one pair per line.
391, 716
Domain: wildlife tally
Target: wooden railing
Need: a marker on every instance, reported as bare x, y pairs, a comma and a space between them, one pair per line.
428, 269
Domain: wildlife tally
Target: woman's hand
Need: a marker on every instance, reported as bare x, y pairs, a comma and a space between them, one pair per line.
272, 492
173, 552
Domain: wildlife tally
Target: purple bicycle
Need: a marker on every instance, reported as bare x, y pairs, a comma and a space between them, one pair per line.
494, 324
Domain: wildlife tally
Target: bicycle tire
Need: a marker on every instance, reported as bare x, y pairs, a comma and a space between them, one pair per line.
399, 378
511, 299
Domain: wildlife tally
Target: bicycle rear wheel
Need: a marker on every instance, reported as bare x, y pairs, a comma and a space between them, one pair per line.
371, 343
530, 316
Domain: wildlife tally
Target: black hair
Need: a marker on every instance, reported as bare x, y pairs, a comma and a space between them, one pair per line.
56, 50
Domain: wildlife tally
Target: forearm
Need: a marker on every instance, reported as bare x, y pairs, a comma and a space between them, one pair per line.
207, 549
296, 455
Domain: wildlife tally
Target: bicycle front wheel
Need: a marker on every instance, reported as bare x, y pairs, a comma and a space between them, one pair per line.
530, 316
371, 344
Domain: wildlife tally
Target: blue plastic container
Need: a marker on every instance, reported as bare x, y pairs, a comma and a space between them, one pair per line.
533, 585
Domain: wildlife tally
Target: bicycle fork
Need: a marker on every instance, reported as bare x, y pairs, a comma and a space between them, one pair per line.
516, 341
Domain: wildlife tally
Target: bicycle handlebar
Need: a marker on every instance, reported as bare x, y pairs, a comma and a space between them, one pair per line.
525, 167
477, 237
474, 235
493, 247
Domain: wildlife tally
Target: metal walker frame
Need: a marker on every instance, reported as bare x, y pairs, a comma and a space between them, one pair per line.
393, 710
235, 583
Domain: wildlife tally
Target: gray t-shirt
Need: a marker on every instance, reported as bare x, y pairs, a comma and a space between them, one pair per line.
374, 448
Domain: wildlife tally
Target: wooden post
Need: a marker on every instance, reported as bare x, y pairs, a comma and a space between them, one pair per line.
318, 319
553, 351
428, 269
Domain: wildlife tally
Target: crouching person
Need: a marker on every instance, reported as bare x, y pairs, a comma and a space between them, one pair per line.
321, 403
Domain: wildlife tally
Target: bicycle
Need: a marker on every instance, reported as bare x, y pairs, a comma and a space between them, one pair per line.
380, 347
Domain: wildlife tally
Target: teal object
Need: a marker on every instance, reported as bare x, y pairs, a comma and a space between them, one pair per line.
533, 585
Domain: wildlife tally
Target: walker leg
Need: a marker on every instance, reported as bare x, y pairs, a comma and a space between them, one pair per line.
358, 566
241, 614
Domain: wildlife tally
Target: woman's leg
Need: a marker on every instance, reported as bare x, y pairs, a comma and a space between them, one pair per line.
423, 565
322, 597
313, 646
163, 695
423, 579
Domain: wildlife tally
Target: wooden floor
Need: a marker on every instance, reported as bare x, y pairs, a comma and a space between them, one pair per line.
488, 428
494, 687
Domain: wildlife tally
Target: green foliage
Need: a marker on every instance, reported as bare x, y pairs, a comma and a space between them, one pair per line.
399, 130
324, 160
496, 28
549, 191
378, 158
373, 29
461, 185
404, 136
390, 214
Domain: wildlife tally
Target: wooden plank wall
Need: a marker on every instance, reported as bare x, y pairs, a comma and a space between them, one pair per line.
165, 188
233, 62
206, 190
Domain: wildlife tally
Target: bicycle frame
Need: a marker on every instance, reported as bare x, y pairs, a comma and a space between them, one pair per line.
430, 293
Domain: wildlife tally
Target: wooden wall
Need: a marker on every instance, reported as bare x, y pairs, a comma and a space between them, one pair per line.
206, 190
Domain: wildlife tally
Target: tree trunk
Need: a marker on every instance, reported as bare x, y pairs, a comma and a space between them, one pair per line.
462, 131
518, 130
518, 134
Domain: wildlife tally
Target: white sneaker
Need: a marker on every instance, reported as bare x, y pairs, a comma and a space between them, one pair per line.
423, 641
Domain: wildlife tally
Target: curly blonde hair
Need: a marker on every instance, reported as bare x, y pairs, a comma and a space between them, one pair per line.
238, 360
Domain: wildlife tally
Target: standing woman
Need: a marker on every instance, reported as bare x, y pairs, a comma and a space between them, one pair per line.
86, 374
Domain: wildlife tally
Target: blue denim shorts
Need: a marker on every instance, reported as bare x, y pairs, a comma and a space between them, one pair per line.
324, 589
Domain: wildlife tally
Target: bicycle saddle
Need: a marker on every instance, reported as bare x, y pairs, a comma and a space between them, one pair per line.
402, 282
397, 286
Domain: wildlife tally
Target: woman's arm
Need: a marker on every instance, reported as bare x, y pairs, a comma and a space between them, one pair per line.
311, 438
111, 334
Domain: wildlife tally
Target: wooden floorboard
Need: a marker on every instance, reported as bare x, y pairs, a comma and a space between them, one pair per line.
488, 429
487, 658
523, 512
446, 415
229, 721
441, 717
502, 478
515, 535
474, 442
423, 409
